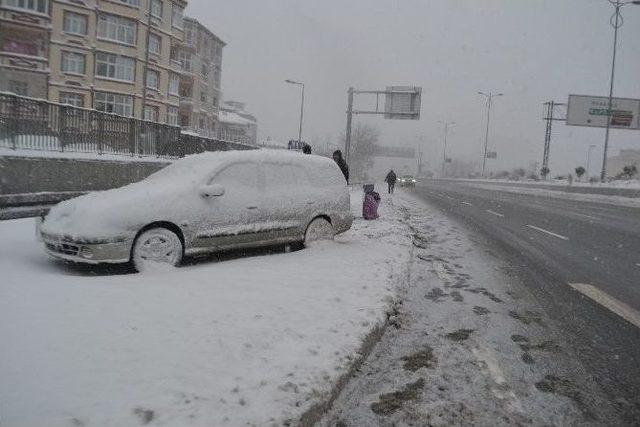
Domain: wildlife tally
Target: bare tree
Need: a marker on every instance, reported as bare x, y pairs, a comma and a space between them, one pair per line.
364, 138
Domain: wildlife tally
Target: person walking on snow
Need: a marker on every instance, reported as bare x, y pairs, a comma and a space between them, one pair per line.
391, 180
337, 157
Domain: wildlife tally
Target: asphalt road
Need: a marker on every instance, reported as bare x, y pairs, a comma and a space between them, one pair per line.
581, 260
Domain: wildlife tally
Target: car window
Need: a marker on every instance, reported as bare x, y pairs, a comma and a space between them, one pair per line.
239, 175
279, 176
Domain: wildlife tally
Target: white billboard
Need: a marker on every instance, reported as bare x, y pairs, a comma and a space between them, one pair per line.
584, 110
402, 102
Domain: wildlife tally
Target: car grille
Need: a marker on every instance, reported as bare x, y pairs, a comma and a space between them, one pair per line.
63, 248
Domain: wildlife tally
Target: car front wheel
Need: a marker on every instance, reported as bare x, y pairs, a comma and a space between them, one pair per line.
318, 229
156, 246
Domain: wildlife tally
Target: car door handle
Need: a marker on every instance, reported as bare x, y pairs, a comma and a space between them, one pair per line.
252, 207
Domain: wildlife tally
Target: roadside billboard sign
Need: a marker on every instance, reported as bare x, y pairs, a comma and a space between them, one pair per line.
402, 102
592, 111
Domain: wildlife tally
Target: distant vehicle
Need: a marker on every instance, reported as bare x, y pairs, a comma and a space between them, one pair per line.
203, 203
407, 181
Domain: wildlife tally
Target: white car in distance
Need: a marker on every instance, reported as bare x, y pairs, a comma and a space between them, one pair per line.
203, 203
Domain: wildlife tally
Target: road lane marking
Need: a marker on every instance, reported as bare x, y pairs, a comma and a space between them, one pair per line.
467, 203
550, 233
495, 213
606, 300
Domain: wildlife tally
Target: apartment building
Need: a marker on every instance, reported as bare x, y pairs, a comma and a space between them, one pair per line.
24, 47
200, 56
95, 54
236, 124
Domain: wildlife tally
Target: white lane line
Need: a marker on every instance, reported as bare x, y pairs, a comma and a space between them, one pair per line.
550, 233
467, 203
495, 213
606, 300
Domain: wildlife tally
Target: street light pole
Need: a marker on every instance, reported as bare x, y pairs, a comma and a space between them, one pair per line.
301, 106
616, 22
489, 97
444, 149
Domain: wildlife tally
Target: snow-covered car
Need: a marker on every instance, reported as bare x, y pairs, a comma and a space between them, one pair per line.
407, 181
203, 203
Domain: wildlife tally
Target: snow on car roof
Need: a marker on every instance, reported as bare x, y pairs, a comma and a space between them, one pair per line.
198, 165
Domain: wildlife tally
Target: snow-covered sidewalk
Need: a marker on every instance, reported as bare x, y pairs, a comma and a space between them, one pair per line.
254, 340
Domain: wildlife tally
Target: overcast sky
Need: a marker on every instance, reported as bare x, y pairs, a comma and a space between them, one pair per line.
532, 50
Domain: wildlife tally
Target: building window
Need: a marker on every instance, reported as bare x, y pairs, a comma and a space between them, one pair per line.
172, 116
117, 28
75, 23
114, 103
204, 71
188, 35
201, 123
203, 95
177, 16
156, 8
72, 63
151, 113
216, 78
20, 47
215, 101
134, 3
75, 99
154, 43
40, 6
19, 88
115, 66
153, 79
185, 61
174, 84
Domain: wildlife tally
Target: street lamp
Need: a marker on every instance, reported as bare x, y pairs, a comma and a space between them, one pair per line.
444, 149
489, 97
301, 106
616, 22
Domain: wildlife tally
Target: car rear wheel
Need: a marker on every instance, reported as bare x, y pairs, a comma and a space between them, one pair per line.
318, 229
156, 246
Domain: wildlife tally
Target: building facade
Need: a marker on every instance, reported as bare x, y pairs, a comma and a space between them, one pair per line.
24, 47
236, 124
200, 56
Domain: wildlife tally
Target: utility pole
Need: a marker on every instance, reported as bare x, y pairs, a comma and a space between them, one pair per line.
591, 147
444, 149
489, 97
347, 141
549, 117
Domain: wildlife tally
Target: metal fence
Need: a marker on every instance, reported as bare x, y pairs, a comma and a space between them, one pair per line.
36, 124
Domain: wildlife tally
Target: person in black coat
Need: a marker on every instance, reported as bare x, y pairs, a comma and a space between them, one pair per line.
337, 157
391, 180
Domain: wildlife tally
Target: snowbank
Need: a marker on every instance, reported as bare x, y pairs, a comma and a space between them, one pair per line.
255, 340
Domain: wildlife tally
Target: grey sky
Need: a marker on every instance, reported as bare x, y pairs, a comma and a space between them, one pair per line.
532, 50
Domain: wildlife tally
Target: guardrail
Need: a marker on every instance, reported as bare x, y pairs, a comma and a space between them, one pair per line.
37, 124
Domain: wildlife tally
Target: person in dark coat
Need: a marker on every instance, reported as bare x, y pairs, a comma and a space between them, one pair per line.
337, 157
306, 149
391, 180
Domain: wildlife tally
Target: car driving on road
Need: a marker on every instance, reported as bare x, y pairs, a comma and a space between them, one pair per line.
203, 203
407, 181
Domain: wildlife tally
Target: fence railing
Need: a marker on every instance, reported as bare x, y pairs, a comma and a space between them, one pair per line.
36, 124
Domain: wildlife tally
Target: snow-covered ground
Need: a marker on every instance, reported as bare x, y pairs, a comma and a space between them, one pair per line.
632, 184
23, 152
252, 340
632, 202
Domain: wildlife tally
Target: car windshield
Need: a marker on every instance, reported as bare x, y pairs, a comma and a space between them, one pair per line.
320, 213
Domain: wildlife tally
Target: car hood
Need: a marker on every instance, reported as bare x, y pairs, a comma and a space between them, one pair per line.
116, 213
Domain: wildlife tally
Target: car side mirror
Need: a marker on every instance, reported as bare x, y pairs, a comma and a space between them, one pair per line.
213, 190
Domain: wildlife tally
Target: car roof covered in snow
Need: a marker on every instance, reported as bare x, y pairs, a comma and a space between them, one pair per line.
199, 165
